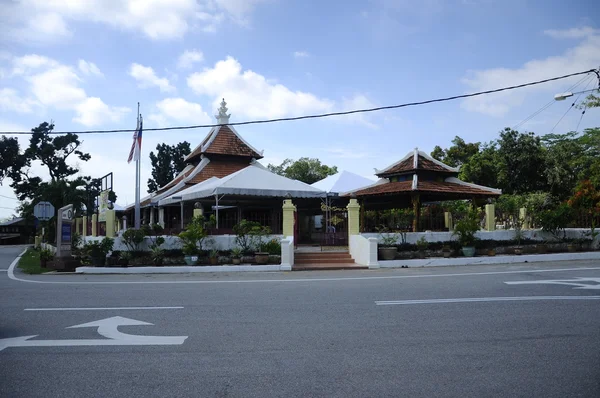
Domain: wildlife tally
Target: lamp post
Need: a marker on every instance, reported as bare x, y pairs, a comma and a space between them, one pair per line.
180, 198
563, 96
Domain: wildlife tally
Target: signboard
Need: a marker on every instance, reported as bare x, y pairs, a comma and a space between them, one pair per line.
103, 206
43, 211
65, 235
63, 231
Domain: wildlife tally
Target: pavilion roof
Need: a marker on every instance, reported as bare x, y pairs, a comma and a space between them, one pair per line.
414, 161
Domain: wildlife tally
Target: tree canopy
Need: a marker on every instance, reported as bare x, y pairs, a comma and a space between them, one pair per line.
54, 153
307, 170
167, 162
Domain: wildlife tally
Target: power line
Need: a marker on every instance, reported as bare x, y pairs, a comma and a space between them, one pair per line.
322, 115
7, 208
8, 197
571, 107
550, 103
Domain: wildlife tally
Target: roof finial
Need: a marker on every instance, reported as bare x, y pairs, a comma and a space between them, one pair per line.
223, 117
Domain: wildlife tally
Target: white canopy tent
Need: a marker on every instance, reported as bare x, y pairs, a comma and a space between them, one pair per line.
342, 182
250, 181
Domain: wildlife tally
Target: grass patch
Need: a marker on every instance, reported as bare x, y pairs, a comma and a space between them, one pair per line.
30, 263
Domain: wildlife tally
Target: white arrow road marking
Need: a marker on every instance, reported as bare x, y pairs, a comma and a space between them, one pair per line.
107, 328
485, 299
577, 283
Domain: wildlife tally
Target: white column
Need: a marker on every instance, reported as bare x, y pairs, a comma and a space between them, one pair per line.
161, 216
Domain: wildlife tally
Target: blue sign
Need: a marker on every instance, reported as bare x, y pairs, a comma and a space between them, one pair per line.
66, 232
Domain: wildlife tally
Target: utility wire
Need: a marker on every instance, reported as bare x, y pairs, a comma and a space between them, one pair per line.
549, 104
8, 197
571, 107
322, 115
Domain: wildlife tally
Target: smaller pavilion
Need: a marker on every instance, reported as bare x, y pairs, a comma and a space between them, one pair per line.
415, 179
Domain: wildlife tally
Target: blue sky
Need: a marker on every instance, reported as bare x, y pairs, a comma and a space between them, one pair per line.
85, 65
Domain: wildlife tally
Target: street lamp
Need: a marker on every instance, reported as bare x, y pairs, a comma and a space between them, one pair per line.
563, 96
181, 199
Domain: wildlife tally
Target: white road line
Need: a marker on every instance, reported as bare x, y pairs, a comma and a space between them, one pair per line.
485, 299
12, 276
102, 308
3, 270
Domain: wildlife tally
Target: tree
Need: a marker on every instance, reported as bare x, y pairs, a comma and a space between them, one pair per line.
482, 167
591, 101
307, 170
167, 163
9, 157
521, 161
53, 152
459, 153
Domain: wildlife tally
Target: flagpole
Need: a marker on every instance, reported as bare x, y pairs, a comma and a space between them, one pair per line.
138, 221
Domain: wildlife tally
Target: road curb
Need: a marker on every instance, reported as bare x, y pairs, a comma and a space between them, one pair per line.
528, 258
178, 269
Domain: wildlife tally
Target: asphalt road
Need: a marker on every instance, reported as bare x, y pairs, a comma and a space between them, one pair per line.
332, 334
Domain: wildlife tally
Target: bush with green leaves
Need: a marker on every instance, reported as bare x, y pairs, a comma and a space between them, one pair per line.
133, 239
258, 236
244, 232
154, 232
466, 228
555, 219
272, 246
422, 244
194, 235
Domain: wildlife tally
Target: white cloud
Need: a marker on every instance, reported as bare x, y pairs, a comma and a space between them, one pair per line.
341, 153
358, 101
93, 112
54, 85
584, 56
301, 54
43, 21
89, 68
29, 63
573, 33
189, 58
12, 102
252, 95
147, 78
178, 110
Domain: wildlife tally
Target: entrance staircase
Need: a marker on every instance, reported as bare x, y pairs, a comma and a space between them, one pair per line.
324, 261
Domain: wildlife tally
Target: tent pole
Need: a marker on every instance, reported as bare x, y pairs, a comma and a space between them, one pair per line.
217, 210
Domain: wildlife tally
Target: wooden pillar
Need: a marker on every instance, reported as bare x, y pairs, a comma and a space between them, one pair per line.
416, 202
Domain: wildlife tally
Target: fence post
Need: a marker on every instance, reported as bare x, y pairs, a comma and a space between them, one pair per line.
94, 225
523, 218
448, 220
110, 224
490, 217
353, 217
84, 229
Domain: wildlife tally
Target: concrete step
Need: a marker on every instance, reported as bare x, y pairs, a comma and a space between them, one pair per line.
326, 267
323, 255
323, 261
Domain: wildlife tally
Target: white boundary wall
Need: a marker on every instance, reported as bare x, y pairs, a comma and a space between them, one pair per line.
221, 242
533, 234
363, 250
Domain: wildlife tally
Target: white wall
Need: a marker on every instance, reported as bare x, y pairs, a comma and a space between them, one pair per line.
533, 234
220, 242
363, 250
287, 253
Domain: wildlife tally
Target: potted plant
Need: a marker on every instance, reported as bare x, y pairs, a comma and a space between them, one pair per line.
422, 246
258, 233
98, 251
214, 257
45, 256
190, 253
447, 251
193, 237
158, 255
465, 230
124, 258
236, 254
388, 249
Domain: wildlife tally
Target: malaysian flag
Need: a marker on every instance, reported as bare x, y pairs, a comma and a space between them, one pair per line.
136, 146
